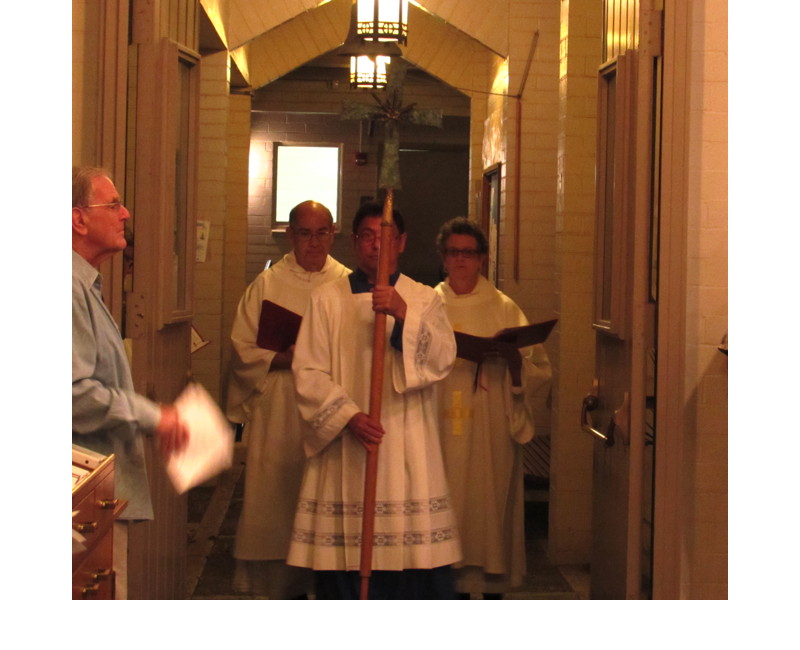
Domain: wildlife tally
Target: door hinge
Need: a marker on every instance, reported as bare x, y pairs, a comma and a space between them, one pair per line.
652, 42
135, 315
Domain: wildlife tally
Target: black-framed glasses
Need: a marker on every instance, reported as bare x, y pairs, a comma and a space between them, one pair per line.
307, 235
370, 236
116, 206
466, 253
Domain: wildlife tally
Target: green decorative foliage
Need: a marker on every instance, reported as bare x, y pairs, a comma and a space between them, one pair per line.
389, 109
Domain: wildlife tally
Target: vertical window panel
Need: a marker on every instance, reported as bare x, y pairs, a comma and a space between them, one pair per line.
615, 191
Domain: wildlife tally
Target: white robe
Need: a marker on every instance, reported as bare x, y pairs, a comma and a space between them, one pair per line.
483, 430
415, 524
266, 402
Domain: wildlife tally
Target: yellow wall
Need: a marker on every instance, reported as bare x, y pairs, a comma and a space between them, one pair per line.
570, 532
235, 222
213, 208
556, 204
706, 444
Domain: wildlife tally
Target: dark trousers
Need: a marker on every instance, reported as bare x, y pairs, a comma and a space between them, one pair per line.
411, 584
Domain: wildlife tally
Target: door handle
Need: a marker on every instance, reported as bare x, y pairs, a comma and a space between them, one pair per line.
590, 403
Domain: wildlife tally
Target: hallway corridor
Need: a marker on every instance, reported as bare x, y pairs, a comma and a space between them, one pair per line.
213, 515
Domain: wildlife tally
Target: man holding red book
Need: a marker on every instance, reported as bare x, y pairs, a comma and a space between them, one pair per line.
261, 395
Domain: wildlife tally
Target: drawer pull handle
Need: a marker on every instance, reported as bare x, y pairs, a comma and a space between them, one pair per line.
90, 590
86, 527
108, 504
101, 574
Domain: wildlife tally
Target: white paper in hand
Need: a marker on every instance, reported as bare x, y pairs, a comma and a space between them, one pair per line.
210, 447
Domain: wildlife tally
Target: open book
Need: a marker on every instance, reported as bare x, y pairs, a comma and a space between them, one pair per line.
277, 327
475, 348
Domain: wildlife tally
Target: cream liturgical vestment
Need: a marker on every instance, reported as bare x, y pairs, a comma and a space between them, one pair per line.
266, 402
415, 525
485, 422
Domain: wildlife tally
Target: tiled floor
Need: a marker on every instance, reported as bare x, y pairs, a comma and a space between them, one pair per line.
214, 510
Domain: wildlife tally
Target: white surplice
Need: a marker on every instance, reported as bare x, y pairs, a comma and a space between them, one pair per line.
266, 402
484, 424
414, 524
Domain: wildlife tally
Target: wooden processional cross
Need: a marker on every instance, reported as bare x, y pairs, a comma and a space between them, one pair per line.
392, 113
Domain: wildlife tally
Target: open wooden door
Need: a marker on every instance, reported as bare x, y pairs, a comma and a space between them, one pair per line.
618, 411
163, 122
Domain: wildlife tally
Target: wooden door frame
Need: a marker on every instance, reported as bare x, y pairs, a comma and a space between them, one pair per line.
672, 268
159, 324
490, 219
632, 251
629, 315
158, 98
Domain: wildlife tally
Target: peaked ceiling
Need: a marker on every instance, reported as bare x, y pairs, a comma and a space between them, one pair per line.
250, 19
269, 38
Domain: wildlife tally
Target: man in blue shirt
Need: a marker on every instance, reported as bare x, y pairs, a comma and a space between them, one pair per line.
108, 416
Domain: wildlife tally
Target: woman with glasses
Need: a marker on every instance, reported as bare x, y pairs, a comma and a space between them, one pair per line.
486, 417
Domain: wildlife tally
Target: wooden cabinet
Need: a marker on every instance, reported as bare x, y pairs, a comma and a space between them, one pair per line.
93, 499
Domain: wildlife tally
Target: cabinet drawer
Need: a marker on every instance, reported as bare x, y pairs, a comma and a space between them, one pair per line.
94, 577
95, 517
95, 503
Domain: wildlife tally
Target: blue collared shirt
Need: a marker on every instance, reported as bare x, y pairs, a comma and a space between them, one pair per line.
108, 416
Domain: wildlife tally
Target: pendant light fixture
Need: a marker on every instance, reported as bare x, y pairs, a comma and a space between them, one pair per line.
376, 28
369, 72
383, 20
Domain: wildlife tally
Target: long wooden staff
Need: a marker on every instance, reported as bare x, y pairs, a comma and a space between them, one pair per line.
390, 111
375, 399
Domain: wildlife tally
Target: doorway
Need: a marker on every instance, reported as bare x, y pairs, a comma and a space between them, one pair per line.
435, 186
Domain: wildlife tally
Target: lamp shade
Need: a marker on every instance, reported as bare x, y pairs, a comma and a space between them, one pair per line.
383, 20
369, 72
372, 42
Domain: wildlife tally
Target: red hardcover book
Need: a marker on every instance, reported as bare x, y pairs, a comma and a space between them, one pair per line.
475, 348
277, 327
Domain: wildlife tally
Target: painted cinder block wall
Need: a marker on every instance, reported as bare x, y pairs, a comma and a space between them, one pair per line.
706, 372
235, 267
570, 533
211, 207
309, 111
269, 127
563, 179
492, 117
224, 127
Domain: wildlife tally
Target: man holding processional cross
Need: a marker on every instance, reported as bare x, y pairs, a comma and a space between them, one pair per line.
415, 538
359, 509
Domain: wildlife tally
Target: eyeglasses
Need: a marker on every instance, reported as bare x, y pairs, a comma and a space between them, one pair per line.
466, 253
116, 206
306, 235
369, 237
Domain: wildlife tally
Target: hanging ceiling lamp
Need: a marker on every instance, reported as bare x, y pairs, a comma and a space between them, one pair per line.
368, 72
383, 20
376, 27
